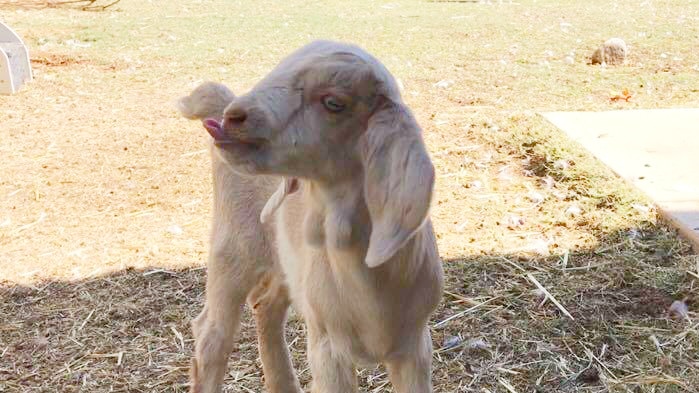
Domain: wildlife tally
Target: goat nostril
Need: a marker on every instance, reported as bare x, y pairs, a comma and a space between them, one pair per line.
236, 117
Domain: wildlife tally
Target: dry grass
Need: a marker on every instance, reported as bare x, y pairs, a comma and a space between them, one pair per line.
105, 191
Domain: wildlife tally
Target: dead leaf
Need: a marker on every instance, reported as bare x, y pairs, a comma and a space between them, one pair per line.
625, 95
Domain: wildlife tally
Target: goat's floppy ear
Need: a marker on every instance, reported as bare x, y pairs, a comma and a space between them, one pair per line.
398, 180
286, 187
207, 100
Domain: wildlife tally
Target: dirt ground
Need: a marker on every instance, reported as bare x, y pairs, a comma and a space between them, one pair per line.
105, 191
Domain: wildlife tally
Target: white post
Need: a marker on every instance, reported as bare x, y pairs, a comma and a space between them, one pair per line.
15, 69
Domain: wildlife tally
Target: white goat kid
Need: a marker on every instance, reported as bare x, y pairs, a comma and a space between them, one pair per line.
322, 186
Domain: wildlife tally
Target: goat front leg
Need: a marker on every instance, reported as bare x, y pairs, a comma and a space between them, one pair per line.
410, 371
332, 372
269, 301
227, 285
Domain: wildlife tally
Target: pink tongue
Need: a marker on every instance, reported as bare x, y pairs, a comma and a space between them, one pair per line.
215, 130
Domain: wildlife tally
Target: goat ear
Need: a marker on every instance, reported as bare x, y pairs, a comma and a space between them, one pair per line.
398, 180
286, 187
207, 100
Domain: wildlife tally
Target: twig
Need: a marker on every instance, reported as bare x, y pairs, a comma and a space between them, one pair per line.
653, 380
508, 371
86, 319
681, 336
75, 1
193, 153
98, 7
457, 149
179, 336
587, 267
119, 356
140, 213
461, 299
452, 174
592, 356
31, 224
247, 389
73, 340
507, 385
148, 273
468, 310
378, 388
548, 294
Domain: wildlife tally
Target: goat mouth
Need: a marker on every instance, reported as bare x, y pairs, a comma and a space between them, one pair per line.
251, 143
224, 140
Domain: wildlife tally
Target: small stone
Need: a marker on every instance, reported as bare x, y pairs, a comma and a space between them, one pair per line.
539, 295
561, 164
175, 230
573, 210
539, 246
590, 375
462, 226
514, 221
41, 342
548, 182
451, 342
679, 309
535, 197
477, 343
612, 52
641, 208
634, 233
476, 184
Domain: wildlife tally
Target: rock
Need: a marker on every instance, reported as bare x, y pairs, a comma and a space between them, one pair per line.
612, 52
451, 342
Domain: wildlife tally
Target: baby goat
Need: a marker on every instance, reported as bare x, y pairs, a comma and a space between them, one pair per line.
322, 187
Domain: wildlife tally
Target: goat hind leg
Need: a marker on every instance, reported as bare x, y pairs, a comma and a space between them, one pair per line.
269, 301
227, 286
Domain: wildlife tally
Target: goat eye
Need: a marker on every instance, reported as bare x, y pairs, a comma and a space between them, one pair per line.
332, 104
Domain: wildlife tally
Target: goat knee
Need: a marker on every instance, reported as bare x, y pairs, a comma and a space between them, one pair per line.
269, 301
198, 322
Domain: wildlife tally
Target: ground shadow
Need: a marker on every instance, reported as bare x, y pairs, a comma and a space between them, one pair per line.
129, 331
